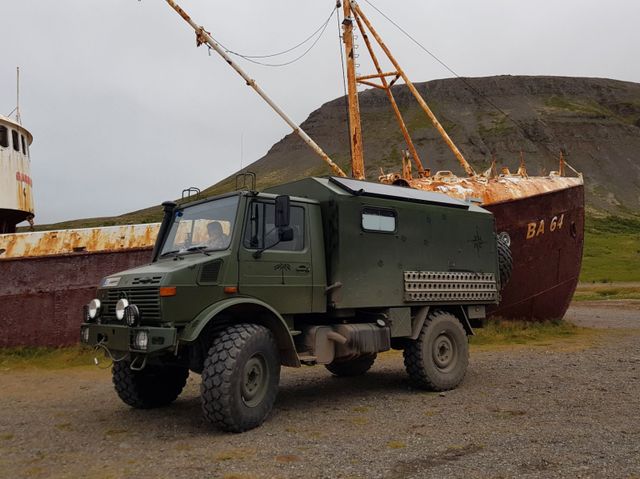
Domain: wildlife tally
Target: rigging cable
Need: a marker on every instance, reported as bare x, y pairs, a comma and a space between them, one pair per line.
467, 84
252, 58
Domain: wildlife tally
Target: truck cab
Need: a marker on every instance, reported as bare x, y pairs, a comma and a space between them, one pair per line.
328, 271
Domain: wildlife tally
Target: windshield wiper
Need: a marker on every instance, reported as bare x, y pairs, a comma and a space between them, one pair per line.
170, 252
201, 248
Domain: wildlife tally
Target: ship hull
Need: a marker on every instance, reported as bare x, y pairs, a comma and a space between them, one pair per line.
547, 238
41, 304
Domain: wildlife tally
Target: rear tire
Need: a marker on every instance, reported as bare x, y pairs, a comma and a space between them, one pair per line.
437, 360
352, 367
240, 377
154, 386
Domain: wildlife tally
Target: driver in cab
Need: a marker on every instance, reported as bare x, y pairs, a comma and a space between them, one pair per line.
217, 238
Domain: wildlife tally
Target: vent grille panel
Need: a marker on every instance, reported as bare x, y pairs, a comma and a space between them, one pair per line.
210, 272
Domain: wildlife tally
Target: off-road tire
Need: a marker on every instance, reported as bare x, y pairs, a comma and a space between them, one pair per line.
437, 360
239, 354
352, 367
505, 262
154, 386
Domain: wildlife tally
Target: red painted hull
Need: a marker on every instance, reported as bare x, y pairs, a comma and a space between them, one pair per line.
546, 257
41, 298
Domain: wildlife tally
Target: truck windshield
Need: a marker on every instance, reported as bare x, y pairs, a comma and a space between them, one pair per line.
203, 227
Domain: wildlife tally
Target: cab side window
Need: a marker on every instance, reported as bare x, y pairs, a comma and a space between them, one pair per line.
260, 231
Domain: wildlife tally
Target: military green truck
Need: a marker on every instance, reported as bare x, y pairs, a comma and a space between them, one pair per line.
327, 271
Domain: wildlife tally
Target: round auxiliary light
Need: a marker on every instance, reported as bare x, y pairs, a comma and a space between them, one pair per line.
93, 309
121, 305
141, 340
131, 315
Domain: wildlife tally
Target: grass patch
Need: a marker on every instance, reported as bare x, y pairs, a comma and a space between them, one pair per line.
589, 108
611, 250
359, 421
45, 358
602, 292
396, 445
499, 333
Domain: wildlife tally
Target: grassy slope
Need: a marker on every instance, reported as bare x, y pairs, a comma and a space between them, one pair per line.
612, 250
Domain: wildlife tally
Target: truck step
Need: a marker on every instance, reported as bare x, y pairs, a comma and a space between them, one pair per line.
307, 359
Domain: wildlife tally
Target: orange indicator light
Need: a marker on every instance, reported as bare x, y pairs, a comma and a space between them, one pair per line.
168, 291
230, 289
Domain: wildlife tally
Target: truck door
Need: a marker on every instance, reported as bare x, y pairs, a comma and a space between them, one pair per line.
281, 275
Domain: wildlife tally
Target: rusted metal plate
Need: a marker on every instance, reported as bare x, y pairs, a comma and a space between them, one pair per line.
544, 217
489, 190
61, 242
547, 238
41, 304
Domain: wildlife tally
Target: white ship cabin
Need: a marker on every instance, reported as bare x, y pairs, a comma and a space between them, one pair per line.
16, 195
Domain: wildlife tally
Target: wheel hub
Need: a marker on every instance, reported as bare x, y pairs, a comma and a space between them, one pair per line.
444, 352
255, 380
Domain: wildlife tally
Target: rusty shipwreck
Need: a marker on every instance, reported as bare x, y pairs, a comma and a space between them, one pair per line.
541, 216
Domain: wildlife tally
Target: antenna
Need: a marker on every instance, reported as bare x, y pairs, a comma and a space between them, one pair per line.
18, 119
241, 149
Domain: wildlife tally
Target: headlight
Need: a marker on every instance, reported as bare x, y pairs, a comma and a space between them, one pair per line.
141, 340
94, 308
132, 315
121, 305
84, 334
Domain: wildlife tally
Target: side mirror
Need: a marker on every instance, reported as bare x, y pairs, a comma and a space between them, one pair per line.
285, 233
282, 211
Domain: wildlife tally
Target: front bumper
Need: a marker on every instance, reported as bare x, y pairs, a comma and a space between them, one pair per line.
121, 338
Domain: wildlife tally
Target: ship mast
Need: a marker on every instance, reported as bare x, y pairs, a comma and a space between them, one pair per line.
355, 126
202, 37
353, 12
18, 117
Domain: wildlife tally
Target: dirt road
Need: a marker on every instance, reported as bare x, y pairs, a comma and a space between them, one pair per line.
569, 408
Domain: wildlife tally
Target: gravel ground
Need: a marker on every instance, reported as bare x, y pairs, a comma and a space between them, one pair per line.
568, 408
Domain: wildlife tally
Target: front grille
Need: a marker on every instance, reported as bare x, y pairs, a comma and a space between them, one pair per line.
146, 299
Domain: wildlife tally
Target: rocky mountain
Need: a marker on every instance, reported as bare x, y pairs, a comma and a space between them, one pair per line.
595, 122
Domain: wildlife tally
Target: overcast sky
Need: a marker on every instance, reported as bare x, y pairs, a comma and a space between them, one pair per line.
126, 112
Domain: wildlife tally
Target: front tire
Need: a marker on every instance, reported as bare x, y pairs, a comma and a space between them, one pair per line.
240, 378
352, 367
437, 360
154, 386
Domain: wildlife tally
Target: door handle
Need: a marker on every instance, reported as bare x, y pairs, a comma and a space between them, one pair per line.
303, 269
